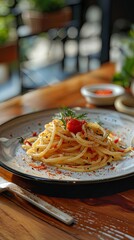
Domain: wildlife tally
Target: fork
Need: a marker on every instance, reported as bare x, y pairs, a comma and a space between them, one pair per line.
6, 145
35, 200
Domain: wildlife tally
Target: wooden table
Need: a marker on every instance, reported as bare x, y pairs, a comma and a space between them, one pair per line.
105, 211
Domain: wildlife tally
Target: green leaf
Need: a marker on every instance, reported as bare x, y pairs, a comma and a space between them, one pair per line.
21, 139
69, 113
128, 66
48, 5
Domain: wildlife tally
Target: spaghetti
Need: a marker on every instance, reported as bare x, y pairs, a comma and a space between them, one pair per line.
79, 145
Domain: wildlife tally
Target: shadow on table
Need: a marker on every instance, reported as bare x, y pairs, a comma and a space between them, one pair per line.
75, 190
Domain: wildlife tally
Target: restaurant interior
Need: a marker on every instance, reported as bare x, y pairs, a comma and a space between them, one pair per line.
91, 33
66, 119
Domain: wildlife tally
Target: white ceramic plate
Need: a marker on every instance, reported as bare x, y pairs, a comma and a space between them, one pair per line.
14, 159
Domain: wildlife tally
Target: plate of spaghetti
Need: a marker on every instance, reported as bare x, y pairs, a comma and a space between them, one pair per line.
70, 146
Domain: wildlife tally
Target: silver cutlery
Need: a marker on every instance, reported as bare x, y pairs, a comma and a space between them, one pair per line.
36, 201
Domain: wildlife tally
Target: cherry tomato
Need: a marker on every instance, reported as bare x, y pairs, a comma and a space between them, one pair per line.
34, 134
74, 125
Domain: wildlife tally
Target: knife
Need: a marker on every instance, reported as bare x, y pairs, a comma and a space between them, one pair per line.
36, 201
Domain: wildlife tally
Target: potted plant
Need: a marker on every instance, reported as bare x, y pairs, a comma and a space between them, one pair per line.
125, 76
8, 46
7, 34
47, 14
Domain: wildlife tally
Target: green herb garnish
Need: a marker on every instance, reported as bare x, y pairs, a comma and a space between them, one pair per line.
21, 139
100, 123
67, 113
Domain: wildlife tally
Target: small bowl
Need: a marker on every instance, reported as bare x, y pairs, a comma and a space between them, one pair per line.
102, 94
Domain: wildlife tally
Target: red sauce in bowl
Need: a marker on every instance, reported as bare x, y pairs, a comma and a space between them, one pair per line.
103, 92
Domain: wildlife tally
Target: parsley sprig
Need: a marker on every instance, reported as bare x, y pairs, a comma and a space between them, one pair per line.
67, 113
20, 139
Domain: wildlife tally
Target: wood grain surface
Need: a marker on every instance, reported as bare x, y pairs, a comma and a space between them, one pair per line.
103, 211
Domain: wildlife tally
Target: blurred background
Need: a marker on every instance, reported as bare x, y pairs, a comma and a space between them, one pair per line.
44, 42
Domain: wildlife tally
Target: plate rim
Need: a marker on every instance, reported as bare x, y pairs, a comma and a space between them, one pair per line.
63, 181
